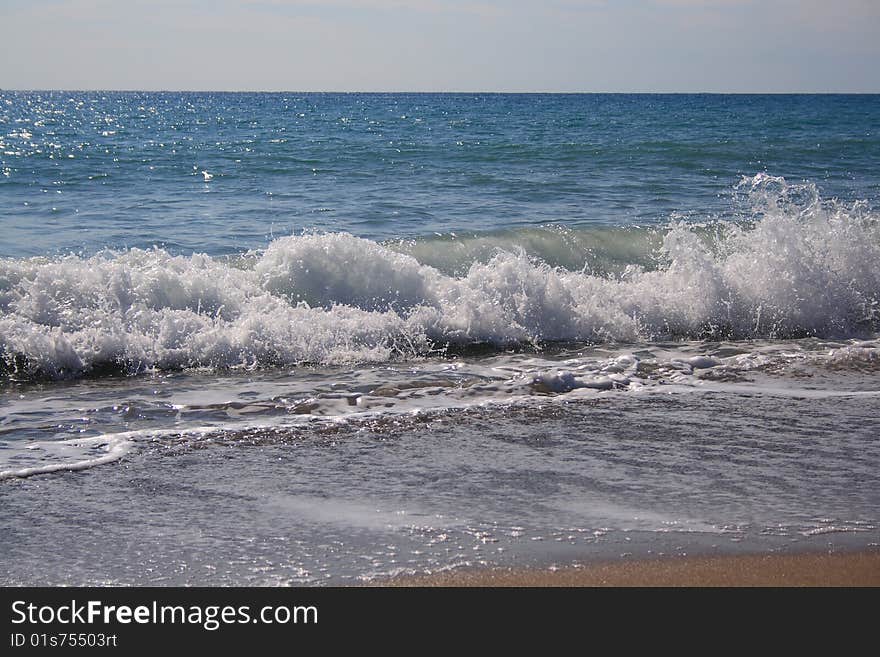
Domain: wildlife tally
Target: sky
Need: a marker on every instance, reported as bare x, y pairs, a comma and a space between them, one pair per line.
442, 45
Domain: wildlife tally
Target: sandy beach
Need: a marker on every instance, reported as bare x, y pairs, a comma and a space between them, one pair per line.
838, 569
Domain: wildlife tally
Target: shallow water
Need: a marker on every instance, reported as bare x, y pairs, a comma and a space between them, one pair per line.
610, 476
527, 330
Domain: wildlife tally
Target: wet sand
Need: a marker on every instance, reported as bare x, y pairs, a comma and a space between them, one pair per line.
838, 569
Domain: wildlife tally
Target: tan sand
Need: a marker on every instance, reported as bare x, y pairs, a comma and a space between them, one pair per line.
845, 569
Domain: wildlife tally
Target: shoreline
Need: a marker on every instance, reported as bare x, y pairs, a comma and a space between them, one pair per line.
837, 569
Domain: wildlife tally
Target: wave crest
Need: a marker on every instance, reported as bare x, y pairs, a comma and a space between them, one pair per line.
799, 266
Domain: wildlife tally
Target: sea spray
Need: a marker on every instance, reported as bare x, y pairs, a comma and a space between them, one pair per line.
799, 266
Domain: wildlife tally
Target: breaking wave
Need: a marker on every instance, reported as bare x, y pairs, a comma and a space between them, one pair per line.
797, 266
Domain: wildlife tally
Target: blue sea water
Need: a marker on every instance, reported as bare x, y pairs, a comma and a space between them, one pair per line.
88, 171
280, 338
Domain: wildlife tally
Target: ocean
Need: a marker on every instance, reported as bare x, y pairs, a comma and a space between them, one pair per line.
306, 339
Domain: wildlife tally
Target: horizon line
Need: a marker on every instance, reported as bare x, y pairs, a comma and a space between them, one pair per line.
450, 92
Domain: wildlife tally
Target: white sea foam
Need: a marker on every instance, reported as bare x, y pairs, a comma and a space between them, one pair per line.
44, 457
28, 458
801, 267
292, 407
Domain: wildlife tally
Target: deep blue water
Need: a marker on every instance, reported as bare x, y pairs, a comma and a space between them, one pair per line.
82, 171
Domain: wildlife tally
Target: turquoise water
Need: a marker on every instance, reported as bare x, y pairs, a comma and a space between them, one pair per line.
325, 338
